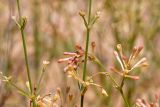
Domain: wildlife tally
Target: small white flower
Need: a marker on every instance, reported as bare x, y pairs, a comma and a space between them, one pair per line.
46, 62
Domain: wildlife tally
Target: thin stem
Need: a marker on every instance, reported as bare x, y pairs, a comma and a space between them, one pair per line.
86, 49
19, 89
124, 98
122, 93
24, 46
82, 100
89, 11
79, 86
34, 103
119, 87
85, 22
87, 42
26, 61
86, 52
19, 10
113, 80
99, 63
107, 74
122, 82
99, 73
40, 79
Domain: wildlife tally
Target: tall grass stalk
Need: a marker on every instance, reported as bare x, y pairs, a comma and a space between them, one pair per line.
86, 49
24, 45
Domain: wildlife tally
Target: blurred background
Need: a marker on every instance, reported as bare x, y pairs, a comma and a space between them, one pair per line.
54, 26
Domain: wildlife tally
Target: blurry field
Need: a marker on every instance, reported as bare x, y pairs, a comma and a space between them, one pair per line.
54, 26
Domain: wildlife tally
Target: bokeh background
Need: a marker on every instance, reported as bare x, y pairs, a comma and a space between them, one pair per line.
54, 26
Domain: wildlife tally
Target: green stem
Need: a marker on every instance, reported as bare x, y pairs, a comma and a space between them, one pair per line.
107, 74
89, 11
124, 98
122, 93
24, 47
34, 103
40, 79
86, 55
19, 89
26, 60
119, 87
86, 49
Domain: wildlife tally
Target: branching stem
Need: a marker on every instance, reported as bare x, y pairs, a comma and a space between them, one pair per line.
86, 50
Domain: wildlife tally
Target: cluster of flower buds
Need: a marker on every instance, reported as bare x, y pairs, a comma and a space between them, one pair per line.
74, 59
49, 100
143, 103
21, 23
93, 20
5, 78
44, 101
127, 63
59, 99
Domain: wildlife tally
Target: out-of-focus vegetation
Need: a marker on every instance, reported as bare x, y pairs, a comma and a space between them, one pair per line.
54, 26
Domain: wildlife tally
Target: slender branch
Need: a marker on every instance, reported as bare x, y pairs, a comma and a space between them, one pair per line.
107, 74
40, 79
19, 89
119, 87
